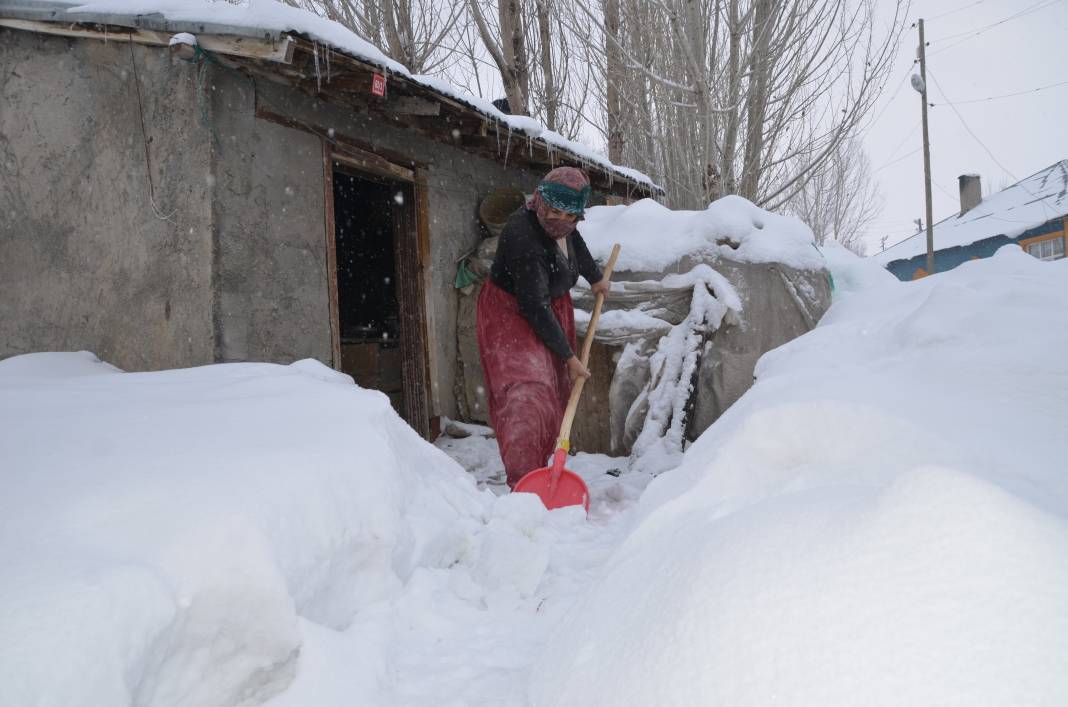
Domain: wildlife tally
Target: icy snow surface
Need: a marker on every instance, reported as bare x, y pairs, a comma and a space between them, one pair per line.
654, 237
881, 520
277, 16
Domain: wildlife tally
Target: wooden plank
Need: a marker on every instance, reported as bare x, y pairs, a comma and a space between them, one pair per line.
331, 256
350, 151
232, 45
432, 348
411, 105
370, 162
412, 308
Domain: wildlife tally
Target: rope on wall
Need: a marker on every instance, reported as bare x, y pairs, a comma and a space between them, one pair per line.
144, 138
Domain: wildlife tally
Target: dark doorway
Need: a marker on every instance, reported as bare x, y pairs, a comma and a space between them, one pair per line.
366, 215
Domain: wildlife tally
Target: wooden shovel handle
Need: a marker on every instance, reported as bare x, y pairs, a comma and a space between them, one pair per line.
576, 389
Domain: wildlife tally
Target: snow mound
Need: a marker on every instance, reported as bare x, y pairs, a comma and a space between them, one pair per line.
164, 536
882, 519
654, 237
851, 272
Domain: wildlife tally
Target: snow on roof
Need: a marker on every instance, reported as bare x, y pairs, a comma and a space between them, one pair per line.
1028, 203
257, 16
653, 237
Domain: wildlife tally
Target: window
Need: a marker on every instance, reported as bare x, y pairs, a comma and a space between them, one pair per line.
1049, 249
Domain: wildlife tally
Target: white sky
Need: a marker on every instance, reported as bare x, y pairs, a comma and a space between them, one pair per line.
1025, 133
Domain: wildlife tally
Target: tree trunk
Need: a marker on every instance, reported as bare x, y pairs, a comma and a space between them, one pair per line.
727, 182
757, 100
613, 81
547, 64
516, 83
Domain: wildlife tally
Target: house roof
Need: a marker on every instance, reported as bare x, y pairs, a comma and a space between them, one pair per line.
274, 21
1029, 203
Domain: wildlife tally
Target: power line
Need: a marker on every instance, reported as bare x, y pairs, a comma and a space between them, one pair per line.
951, 12
960, 117
944, 190
970, 131
910, 133
893, 95
910, 154
1043, 4
1005, 95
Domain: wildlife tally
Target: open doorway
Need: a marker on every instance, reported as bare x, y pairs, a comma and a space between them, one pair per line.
365, 215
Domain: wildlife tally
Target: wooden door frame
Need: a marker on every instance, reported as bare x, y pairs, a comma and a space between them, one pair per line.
411, 254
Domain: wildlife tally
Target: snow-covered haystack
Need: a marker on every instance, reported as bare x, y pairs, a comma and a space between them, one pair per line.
881, 520
698, 297
164, 535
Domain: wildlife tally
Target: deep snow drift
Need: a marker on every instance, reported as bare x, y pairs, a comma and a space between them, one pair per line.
242, 533
163, 533
880, 520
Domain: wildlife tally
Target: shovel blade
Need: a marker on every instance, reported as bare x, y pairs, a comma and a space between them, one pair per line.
570, 489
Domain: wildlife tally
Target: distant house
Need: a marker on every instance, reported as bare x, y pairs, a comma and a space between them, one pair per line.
217, 182
1031, 213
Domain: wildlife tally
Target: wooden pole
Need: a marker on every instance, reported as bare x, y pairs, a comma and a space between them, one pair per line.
926, 156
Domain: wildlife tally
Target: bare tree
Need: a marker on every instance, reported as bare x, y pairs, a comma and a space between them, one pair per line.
748, 97
841, 200
504, 38
416, 33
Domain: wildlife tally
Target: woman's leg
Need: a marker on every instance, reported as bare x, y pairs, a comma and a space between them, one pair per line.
522, 384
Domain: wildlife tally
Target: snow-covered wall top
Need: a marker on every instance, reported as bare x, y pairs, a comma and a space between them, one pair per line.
271, 15
1026, 204
653, 237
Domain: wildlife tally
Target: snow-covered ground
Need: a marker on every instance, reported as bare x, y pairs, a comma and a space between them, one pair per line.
880, 520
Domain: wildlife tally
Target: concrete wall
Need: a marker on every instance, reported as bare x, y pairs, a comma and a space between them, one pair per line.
86, 262
237, 270
457, 181
272, 302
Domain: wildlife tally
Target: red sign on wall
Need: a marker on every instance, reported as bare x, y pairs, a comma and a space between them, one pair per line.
378, 85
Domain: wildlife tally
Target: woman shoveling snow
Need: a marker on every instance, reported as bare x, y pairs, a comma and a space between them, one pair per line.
526, 322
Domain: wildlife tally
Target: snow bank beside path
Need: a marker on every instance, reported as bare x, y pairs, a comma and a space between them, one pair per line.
851, 272
165, 536
654, 237
881, 520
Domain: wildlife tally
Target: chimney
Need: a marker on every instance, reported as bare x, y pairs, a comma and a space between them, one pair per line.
971, 192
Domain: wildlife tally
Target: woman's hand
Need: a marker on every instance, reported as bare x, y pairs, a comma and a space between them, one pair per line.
575, 369
602, 287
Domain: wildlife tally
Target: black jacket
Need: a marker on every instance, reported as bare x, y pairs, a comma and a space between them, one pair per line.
530, 266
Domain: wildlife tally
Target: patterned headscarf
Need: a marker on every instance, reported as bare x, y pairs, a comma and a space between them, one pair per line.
565, 189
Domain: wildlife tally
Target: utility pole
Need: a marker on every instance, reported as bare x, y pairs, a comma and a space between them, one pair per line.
926, 154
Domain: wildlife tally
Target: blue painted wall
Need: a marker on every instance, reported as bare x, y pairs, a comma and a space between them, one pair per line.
950, 258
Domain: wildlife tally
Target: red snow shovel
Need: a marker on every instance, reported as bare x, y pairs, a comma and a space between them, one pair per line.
556, 486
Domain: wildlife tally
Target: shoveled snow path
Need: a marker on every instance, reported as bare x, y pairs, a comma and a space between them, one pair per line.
468, 634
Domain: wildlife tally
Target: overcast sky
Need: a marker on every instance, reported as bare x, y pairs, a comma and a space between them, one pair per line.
970, 58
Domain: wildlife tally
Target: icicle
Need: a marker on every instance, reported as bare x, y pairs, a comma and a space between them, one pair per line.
508, 145
329, 51
530, 146
318, 78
